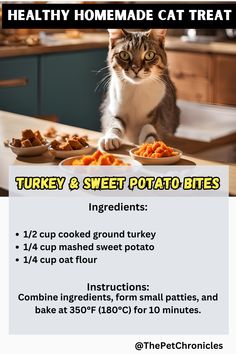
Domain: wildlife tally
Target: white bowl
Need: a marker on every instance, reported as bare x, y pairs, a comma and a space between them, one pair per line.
156, 161
29, 151
126, 159
60, 154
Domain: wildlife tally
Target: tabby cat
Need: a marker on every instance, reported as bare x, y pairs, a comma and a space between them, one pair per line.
140, 104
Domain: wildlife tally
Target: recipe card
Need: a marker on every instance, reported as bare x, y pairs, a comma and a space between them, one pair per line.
119, 250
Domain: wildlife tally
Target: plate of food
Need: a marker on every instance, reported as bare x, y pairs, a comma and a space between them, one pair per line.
99, 158
30, 144
157, 153
72, 145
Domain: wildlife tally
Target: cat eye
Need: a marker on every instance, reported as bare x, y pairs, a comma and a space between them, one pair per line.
124, 55
149, 55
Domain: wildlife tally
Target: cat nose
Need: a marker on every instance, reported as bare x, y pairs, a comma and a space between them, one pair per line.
135, 69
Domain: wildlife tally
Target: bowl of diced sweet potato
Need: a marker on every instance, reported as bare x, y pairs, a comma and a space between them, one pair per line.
30, 144
99, 158
157, 153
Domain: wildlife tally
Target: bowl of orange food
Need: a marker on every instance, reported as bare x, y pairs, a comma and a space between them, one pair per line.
99, 158
157, 153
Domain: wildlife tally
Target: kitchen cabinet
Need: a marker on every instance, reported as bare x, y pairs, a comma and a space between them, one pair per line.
225, 80
204, 78
57, 84
19, 85
67, 87
191, 73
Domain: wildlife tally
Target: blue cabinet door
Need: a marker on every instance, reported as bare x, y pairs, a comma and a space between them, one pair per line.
19, 85
68, 87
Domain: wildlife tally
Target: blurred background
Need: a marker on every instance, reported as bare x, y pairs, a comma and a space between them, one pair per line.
58, 75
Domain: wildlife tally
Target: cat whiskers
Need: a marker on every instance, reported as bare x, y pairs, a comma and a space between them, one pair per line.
156, 78
104, 82
160, 79
122, 78
100, 70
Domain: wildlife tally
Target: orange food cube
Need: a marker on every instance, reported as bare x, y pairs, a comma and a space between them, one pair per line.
166, 153
160, 150
157, 155
111, 158
149, 150
97, 154
156, 145
104, 160
87, 160
99, 158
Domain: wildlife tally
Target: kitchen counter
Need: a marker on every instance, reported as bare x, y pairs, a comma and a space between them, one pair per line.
175, 43
60, 43
12, 124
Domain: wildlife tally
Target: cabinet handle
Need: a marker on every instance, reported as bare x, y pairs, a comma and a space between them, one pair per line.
21, 81
181, 75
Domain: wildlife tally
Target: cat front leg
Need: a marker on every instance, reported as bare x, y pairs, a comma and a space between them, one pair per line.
148, 134
113, 137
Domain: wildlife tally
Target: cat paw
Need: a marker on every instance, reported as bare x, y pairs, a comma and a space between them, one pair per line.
150, 139
148, 134
110, 142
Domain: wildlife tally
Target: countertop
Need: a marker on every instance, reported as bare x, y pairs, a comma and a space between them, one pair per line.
60, 43
175, 43
12, 124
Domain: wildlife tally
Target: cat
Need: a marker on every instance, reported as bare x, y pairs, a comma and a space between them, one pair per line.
140, 103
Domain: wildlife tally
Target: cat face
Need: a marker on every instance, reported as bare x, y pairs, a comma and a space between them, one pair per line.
137, 56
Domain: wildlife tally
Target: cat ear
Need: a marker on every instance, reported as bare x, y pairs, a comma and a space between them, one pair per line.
115, 34
158, 34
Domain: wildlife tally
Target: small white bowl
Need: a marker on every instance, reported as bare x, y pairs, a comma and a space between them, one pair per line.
156, 161
60, 154
29, 151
